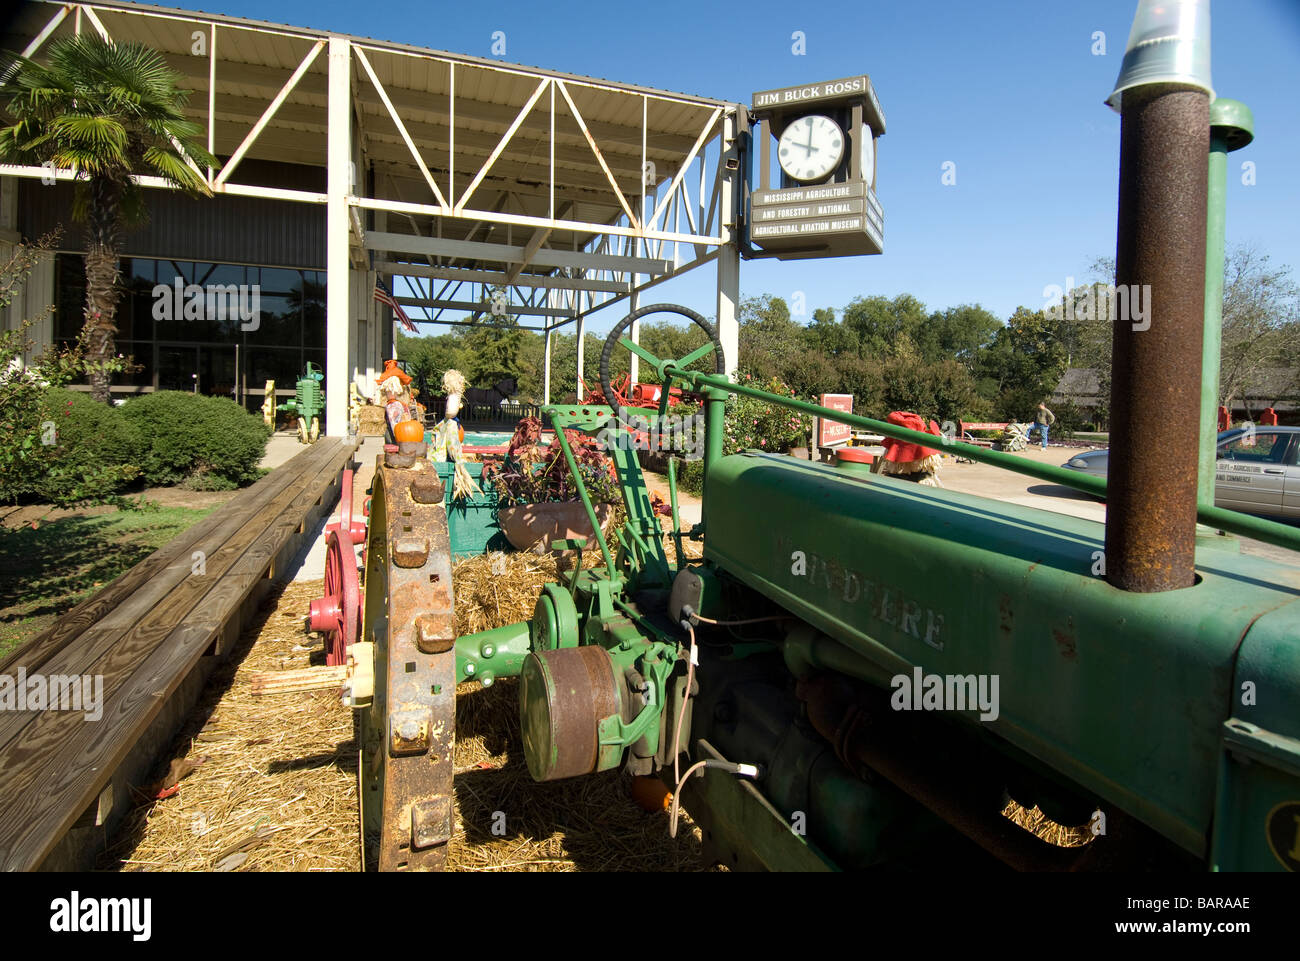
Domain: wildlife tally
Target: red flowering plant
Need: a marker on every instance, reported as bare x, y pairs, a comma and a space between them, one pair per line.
534, 473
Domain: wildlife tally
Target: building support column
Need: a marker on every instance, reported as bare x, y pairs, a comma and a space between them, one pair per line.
581, 328
729, 252
337, 237
634, 366
546, 370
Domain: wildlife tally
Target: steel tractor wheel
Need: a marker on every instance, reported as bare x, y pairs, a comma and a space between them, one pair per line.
402, 675
714, 346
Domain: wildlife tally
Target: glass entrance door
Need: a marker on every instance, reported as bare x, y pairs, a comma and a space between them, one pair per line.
219, 372
177, 367
211, 369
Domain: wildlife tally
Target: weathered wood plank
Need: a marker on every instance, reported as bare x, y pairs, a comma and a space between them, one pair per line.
31, 818
39, 800
91, 611
154, 598
294, 682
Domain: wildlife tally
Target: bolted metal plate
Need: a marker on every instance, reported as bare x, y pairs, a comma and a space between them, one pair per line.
434, 633
410, 550
427, 487
431, 823
396, 459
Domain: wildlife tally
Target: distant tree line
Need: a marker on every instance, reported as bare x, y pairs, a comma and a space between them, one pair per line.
959, 363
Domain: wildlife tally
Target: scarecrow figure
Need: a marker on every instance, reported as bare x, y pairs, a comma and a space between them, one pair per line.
396, 410
909, 461
449, 435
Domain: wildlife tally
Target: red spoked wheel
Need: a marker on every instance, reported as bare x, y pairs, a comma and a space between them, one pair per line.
357, 528
337, 615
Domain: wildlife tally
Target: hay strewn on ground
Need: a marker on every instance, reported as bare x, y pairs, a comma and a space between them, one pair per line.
278, 779
1039, 824
276, 789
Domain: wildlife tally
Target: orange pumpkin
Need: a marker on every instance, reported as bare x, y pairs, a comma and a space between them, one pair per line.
409, 431
651, 794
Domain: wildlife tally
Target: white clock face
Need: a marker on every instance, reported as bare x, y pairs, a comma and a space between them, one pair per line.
868, 157
811, 147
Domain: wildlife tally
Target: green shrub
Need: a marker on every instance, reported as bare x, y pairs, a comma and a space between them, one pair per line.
88, 427
96, 451
1070, 418
208, 443
751, 424
690, 476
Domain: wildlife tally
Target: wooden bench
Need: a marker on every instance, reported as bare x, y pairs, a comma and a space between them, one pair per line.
153, 635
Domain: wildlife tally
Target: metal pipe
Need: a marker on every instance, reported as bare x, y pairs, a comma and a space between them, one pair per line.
677, 519
1156, 372
487, 655
1231, 128
715, 412
1271, 532
586, 500
1216, 212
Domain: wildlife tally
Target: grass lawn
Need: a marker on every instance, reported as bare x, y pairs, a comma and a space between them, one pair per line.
49, 570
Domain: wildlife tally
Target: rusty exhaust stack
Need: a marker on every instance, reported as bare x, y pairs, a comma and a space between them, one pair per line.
1160, 277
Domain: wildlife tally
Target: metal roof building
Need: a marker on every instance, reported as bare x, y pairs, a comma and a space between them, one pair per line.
458, 181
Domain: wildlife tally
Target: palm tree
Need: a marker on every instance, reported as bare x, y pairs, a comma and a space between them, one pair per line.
106, 111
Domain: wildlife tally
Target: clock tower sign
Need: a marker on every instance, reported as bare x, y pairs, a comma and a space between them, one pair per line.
824, 204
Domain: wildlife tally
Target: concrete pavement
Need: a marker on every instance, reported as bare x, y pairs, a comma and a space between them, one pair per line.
309, 565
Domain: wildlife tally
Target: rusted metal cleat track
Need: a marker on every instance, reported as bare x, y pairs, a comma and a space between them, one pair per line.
408, 724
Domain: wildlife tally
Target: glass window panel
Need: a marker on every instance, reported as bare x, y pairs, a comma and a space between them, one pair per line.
279, 280
70, 296
280, 364
169, 314
279, 324
1258, 446
178, 367
312, 298
217, 371
141, 352
141, 310
169, 270
202, 311
141, 272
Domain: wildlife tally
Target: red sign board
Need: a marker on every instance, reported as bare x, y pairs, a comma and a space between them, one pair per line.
829, 432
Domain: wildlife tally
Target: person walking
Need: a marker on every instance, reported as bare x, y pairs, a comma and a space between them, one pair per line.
1044, 419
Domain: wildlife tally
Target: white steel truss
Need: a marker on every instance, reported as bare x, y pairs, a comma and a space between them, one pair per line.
567, 194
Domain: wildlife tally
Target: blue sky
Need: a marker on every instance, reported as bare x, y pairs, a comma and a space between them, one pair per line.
1008, 90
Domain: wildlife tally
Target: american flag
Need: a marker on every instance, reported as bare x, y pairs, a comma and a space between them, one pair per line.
384, 297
